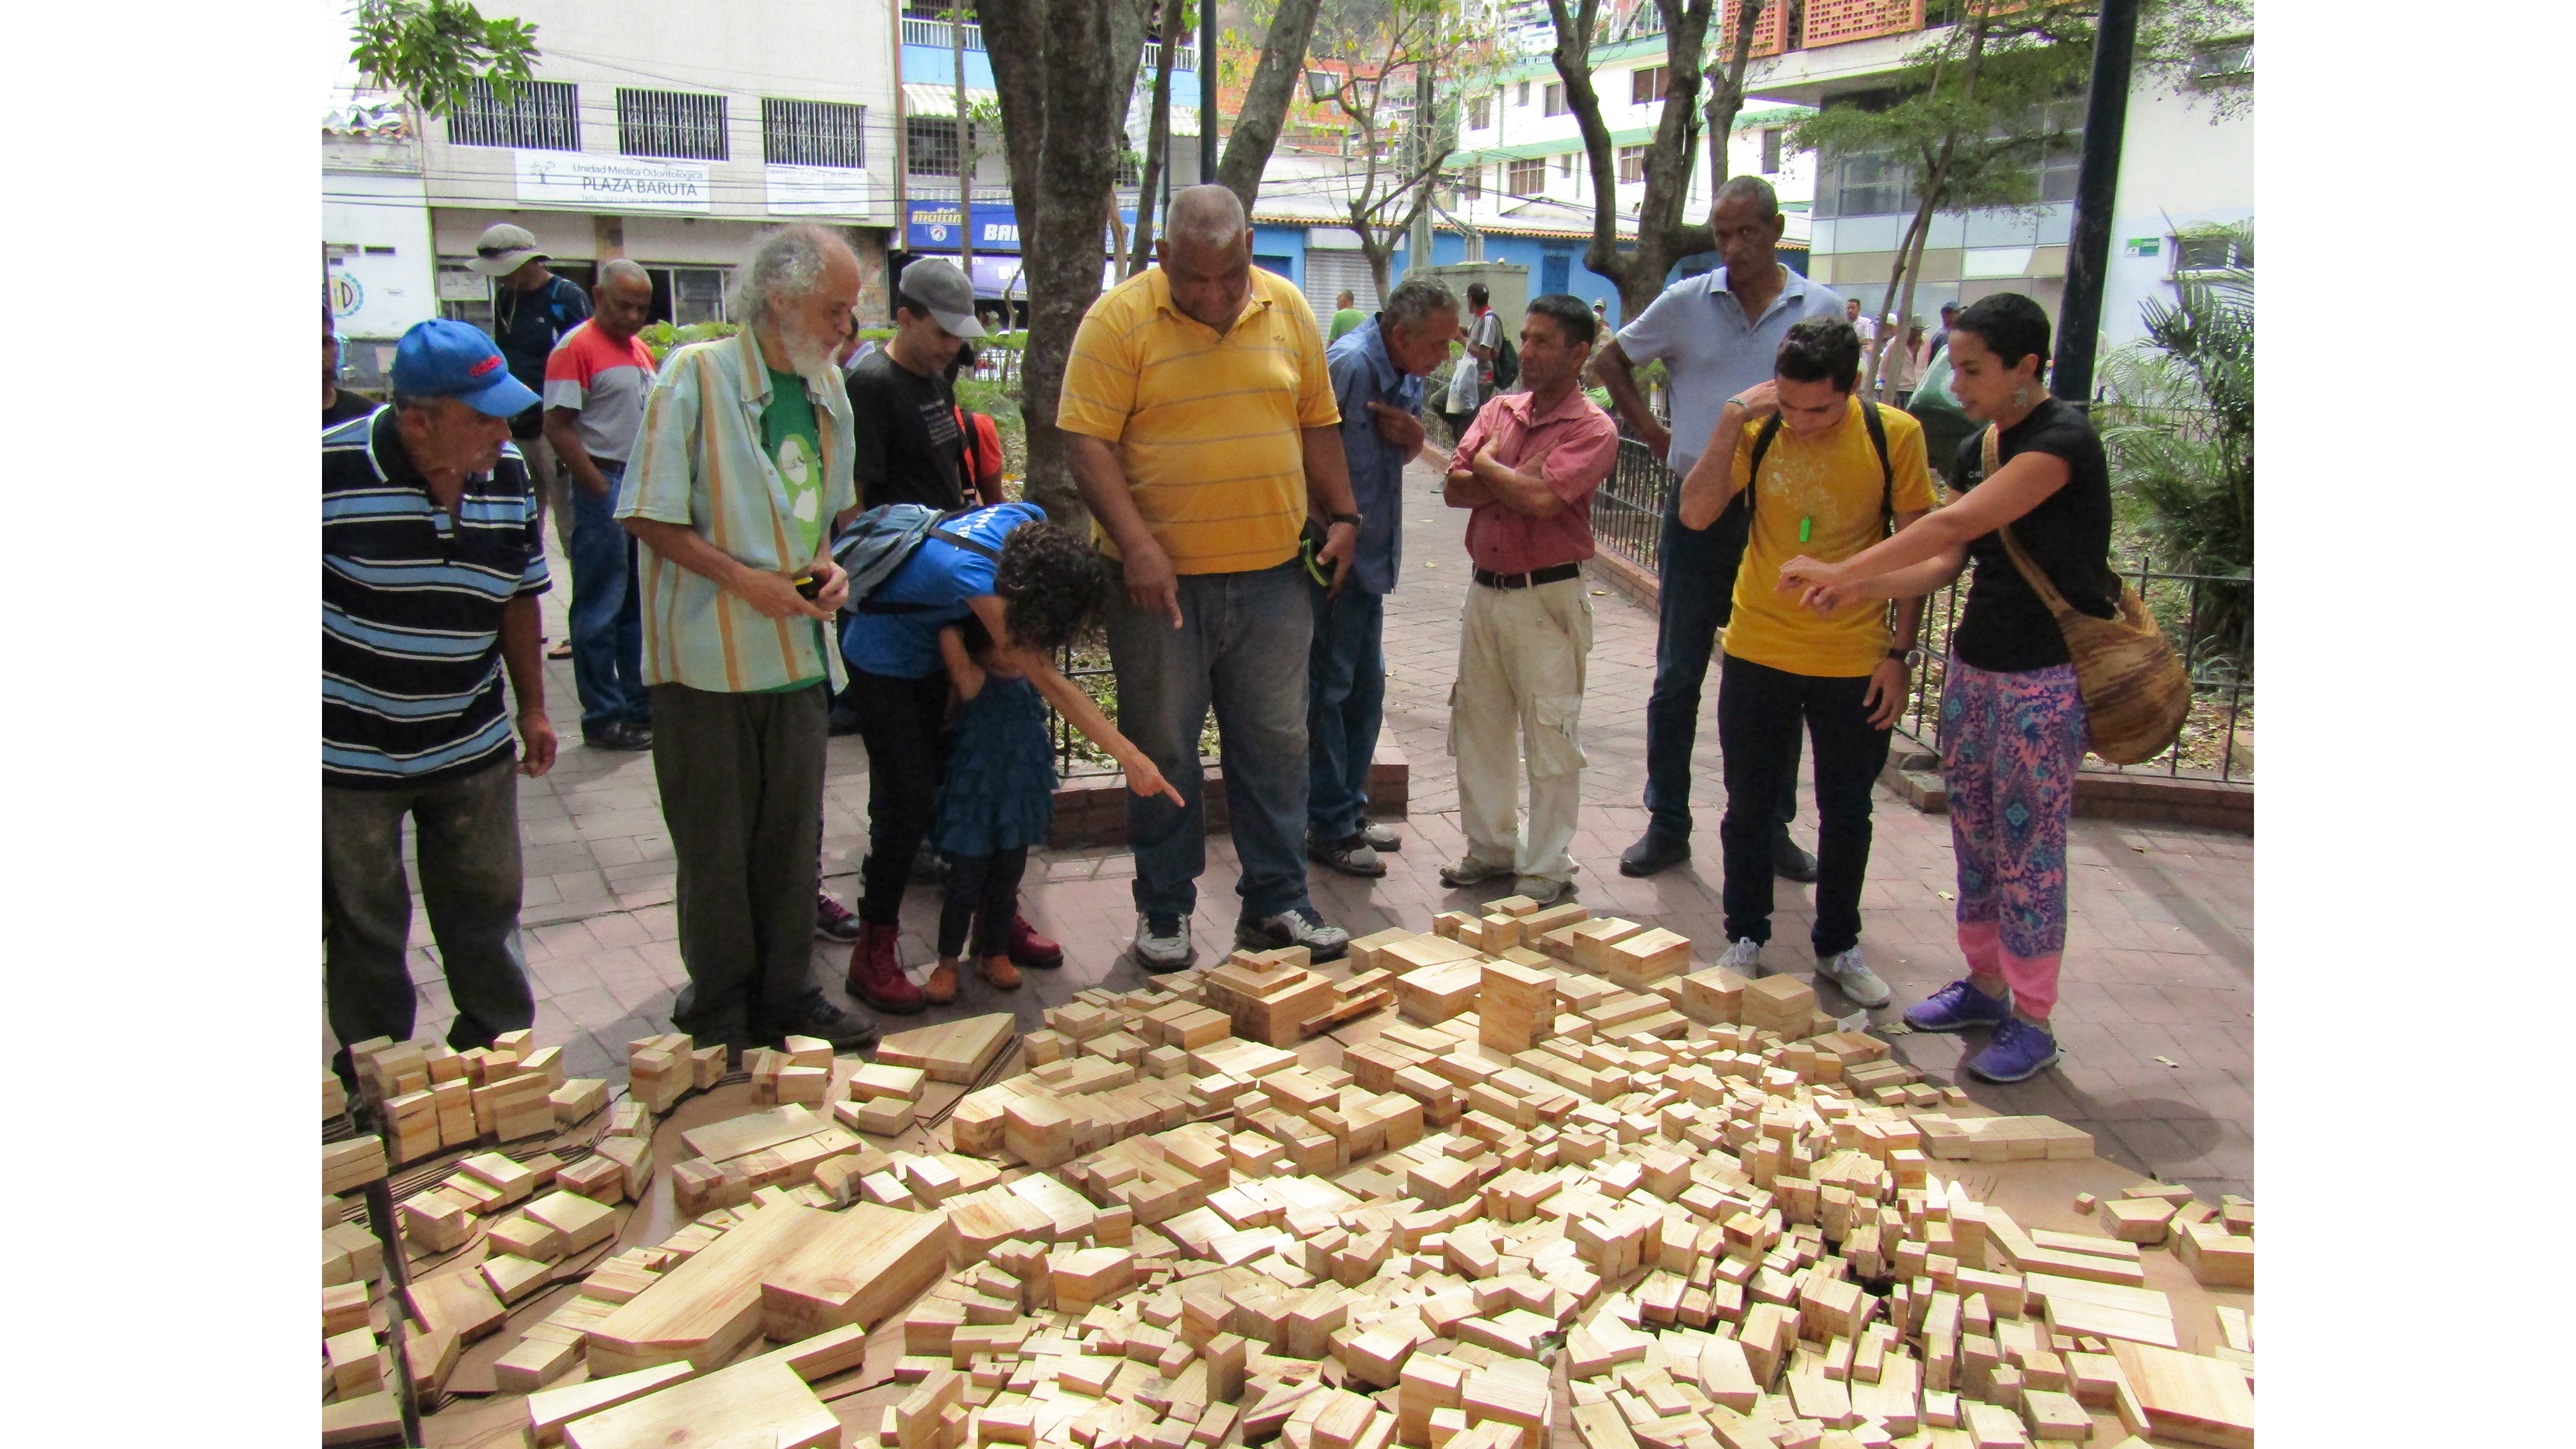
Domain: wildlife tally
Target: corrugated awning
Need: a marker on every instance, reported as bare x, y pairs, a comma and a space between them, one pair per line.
921, 98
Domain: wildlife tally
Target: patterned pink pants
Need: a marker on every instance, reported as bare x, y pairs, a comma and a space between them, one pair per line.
2010, 745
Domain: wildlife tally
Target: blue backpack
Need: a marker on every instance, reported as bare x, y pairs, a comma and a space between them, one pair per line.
882, 540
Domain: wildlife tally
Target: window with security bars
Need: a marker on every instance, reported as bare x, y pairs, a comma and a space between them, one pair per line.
1528, 176
812, 133
538, 116
684, 125
929, 146
1632, 164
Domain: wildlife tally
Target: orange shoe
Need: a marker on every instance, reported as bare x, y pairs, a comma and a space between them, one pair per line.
998, 971
941, 988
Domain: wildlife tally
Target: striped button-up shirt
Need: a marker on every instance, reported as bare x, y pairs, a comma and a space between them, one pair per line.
412, 598
699, 461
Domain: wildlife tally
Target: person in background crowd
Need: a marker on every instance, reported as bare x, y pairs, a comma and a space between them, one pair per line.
2012, 718
1471, 382
1528, 467
337, 406
1901, 364
595, 386
1205, 440
1377, 370
1941, 339
1933, 406
1834, 473
1346, 315
532, 310
747, 439
432, 561
1718, 334
981, 436
1867, 327
1601, 311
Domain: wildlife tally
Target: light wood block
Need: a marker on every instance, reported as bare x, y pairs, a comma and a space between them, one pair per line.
955, 1051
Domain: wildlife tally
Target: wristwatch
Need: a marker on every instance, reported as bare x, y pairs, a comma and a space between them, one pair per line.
1352, 519
1910, 658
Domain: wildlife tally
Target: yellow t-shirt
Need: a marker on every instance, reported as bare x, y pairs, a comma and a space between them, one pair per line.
1835, 482
1207, 427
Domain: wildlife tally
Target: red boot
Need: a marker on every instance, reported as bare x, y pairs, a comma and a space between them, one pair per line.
876, 976
1028, 948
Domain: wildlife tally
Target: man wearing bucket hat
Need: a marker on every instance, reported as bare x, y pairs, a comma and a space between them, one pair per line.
532, 311
431, 566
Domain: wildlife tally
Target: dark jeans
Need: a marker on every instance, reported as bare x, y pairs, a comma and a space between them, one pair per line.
607, 612
1689, 609
1345, 705
1241, 648
983, 890
467, 840
741, 777
1759, 710
899, 721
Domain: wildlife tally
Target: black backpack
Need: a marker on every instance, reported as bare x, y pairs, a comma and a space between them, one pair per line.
1507, 363
1734, 527
883, 539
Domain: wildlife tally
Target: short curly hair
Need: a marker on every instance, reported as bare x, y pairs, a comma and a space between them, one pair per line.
1051, 585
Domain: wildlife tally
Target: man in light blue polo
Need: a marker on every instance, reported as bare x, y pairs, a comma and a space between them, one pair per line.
1377, 369
1716, 334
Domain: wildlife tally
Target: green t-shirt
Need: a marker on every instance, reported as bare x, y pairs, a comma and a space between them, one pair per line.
795, 442
1344, 321
794, 439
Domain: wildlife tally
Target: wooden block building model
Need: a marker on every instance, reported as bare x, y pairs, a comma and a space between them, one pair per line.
1572, 1191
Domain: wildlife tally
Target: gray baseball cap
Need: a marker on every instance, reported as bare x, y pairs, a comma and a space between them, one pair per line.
503, 249
944, 292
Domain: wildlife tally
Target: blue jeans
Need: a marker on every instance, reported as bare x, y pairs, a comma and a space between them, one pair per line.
1690, 608
607, 613
1345, 703
1242, 648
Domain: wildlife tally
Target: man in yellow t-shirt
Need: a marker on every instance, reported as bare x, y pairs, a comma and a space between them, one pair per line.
1204, 436
1829, 473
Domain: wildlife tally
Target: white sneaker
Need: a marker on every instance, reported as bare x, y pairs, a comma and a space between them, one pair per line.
1743, 957
1165, 950
1858, 982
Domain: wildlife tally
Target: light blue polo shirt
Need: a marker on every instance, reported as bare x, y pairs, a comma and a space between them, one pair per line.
1362, 374
1699, 332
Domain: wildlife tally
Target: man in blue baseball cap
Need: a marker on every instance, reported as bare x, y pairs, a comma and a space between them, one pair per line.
432, 561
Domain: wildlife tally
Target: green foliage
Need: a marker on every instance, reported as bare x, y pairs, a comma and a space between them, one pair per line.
660, 337
2181, 437
432, 50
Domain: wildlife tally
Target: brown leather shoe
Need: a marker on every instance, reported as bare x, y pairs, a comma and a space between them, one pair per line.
941, 988
998, 971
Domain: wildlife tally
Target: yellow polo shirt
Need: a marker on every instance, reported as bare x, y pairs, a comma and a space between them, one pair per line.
1834, 485
1207, 427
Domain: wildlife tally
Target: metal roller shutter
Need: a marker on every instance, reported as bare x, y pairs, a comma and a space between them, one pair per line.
1328, 272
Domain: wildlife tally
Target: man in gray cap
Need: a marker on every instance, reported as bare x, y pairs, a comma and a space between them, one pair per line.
533, 311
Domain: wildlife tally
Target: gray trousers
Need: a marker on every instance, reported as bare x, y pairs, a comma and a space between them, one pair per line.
467, 834
742, 794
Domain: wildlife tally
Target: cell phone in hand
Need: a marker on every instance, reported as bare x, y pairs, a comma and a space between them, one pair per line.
810, 586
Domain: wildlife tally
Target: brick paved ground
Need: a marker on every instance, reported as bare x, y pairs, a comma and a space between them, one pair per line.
2156, 1021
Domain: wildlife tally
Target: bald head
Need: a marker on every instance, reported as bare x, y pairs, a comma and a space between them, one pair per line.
621, 301
1206, 252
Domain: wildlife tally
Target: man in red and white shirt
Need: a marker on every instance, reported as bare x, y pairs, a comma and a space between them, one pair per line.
1528, 466
596, 379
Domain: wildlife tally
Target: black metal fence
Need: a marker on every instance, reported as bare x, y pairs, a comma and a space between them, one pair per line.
1086, 663
2208, 616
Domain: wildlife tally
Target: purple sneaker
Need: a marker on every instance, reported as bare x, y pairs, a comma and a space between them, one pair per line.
1957, 1007
2018, 1052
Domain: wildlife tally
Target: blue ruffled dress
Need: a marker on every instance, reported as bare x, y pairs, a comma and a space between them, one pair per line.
1000, 790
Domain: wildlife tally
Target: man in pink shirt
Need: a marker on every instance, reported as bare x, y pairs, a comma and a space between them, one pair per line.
1528, 466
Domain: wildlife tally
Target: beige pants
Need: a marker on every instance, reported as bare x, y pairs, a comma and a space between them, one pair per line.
1519, 691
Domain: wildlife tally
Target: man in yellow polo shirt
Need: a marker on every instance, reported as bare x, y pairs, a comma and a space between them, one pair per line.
1829, 474
1203, 436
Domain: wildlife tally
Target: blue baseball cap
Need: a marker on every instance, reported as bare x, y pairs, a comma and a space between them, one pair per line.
447, 358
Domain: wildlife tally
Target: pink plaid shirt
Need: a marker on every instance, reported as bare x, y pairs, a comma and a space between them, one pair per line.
1578, 442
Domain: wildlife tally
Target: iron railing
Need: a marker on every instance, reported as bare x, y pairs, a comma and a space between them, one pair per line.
2208, 616
1086, 663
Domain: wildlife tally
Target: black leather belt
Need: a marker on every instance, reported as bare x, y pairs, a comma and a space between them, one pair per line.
1532, 579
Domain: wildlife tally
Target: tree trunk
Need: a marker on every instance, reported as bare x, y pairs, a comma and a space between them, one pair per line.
1662, 237
1726, 95
965, 150
1909, 255
1063, 74
1265, 101
1158, 137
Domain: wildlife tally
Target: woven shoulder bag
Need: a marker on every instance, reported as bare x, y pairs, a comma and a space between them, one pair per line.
2136, 693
